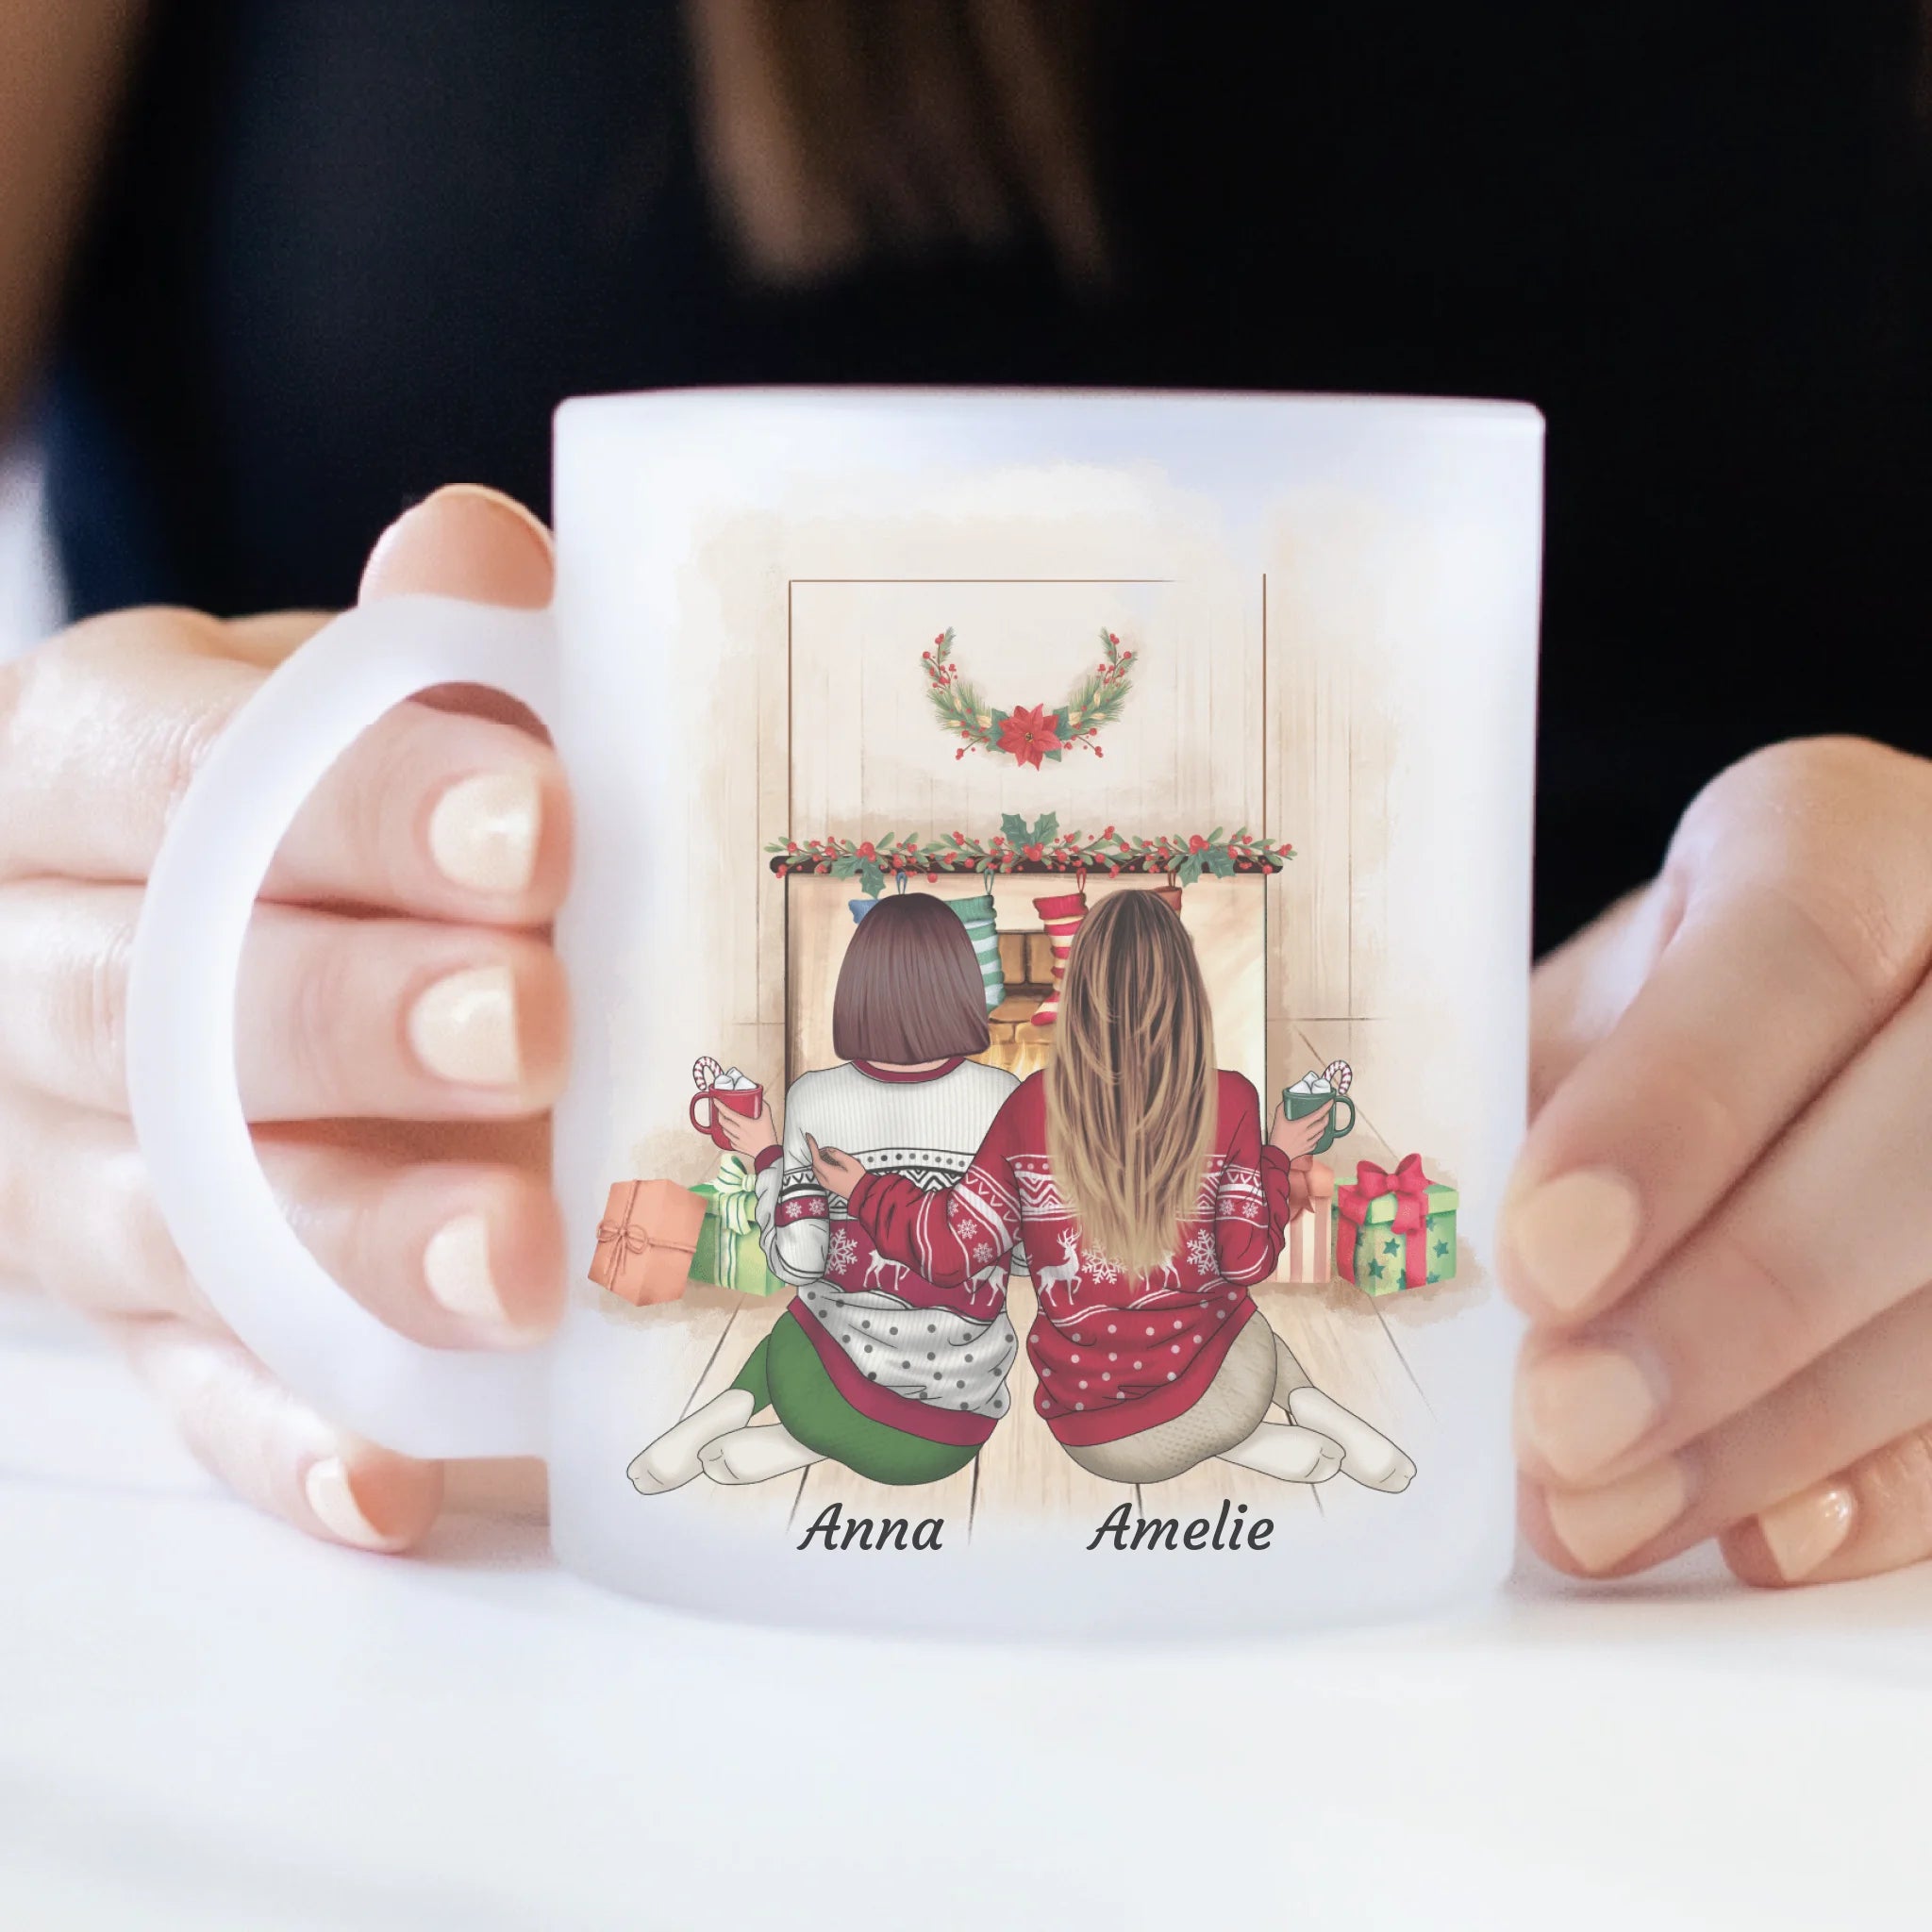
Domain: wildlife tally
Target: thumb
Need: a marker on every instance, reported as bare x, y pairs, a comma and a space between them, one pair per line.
464, 540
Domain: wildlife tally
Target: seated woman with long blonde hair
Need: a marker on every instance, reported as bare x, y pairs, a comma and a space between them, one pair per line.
1135, 1174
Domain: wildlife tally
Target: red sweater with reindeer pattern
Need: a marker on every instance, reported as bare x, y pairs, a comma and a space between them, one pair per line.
1115, 1354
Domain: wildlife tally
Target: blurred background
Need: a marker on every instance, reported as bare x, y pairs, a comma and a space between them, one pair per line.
32, 604
280, 267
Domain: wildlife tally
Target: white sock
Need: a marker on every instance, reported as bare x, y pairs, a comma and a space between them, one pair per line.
756, 1456
1289, 1454
672, 1461
1368, 1455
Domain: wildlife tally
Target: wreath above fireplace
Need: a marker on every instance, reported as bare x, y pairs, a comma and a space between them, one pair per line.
1028, 734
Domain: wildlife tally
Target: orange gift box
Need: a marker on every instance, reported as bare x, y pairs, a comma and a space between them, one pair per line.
645, 1241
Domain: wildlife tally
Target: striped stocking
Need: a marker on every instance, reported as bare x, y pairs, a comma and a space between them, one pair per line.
976, 915
1062, 915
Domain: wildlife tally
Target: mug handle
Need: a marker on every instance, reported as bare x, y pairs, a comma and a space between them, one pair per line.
707, 1128
1335, 1132
187, 1111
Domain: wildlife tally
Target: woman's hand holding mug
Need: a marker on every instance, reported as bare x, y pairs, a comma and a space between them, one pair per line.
1299, 1138
401, 1026
749, 1136
1719, 1223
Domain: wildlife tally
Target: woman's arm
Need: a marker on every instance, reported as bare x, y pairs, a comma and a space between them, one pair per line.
949, 1234
1252, 1201
61, 67
794, 1223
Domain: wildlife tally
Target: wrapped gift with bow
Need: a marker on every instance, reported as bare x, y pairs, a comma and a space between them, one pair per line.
646, 1240
1306, 1246
728, 1253
1394, 1230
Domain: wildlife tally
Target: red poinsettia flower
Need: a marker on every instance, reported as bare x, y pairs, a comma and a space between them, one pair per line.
1029, 734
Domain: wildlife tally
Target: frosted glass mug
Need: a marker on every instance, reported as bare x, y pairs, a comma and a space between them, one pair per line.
1267, 661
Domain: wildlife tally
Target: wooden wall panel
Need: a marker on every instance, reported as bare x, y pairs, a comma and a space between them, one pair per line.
869, 757
1328, 758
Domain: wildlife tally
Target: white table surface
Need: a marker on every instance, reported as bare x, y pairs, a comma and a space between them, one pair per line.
206, 1722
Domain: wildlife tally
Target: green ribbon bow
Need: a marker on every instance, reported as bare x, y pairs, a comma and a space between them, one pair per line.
732, 1197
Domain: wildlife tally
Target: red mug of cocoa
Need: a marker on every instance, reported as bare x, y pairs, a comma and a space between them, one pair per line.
749, 1101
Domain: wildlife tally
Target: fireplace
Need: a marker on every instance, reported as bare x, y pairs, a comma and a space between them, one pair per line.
1224, 917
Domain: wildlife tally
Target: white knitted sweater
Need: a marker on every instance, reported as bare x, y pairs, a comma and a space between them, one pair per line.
927, 1128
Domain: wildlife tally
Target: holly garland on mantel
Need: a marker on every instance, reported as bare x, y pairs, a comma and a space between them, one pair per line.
1020, 848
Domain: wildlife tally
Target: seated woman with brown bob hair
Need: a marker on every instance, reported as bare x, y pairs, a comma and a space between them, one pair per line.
872, 1364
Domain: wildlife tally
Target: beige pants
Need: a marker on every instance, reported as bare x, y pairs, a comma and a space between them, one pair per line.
1257, 1373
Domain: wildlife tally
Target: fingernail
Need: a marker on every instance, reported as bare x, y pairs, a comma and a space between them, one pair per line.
1580, 1409
1802, 1530
503, 557
327, 1487
483, 832
464, 1028
1569, 1235
455, 1267
1600, 1527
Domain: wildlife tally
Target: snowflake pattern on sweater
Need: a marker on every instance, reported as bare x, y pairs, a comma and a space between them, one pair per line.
1115, 1352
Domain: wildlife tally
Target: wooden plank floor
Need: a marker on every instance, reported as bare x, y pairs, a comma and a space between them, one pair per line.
1351, 1344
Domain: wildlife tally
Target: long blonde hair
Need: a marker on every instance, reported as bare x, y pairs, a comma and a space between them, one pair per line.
1132, 1092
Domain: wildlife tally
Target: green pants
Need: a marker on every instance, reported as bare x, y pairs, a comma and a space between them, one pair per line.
785, 1373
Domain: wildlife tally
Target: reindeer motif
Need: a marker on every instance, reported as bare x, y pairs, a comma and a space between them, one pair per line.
1171, 1276
876, 1267
1045, 1279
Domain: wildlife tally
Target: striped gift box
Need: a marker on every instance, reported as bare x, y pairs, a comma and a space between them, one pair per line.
1308, 1253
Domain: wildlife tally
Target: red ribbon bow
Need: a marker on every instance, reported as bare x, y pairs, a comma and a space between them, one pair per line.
1412, 1185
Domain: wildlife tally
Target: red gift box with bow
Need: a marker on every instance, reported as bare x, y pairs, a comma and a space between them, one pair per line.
1404, 1212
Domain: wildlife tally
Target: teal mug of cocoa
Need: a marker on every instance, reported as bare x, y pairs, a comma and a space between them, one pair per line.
1309, 1096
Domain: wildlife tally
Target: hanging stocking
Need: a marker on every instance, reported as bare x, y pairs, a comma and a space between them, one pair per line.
1169, 894
1062, 913
976, 915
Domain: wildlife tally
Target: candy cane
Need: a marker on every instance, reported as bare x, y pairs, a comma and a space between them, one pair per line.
1339, 1075
705, 1073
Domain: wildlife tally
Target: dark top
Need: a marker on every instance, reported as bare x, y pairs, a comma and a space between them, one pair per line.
348, 249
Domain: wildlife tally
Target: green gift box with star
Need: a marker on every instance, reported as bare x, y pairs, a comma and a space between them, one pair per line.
1397, 1230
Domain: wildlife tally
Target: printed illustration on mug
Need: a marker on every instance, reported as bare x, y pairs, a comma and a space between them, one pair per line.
1022, 1234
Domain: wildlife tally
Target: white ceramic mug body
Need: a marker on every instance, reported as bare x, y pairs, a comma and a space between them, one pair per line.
1334, 606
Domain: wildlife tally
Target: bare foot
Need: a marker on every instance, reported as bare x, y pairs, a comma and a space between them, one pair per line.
756, 1456
672, 1461
1368, 1455
1289, 1454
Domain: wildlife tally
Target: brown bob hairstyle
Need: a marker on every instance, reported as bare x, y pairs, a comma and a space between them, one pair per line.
910, 988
